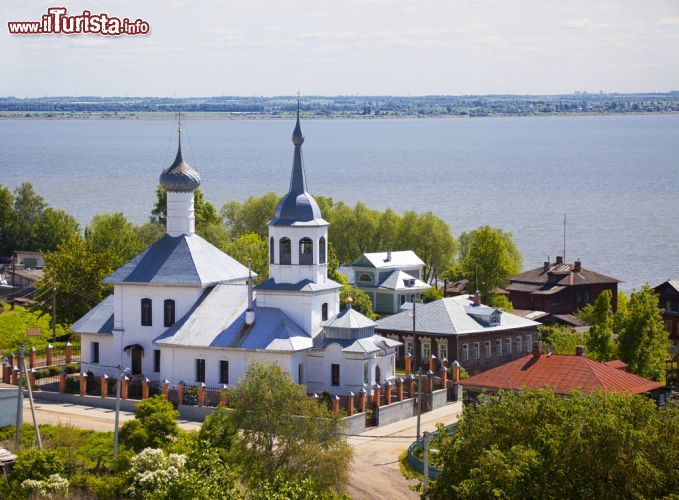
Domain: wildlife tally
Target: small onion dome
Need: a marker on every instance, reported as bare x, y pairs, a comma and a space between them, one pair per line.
297, 137
180, 176
349, 300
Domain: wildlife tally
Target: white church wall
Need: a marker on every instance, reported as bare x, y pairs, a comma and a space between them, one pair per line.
109, 354
293, 272
305, 309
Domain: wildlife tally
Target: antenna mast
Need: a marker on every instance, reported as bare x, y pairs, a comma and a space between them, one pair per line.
564, 237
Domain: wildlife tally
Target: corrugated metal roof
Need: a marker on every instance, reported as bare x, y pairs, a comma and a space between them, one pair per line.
303, 286
448, 316
398, 279
180, 260
349, 318
364, 346
99, 319
402, 258
218, 321
560, 274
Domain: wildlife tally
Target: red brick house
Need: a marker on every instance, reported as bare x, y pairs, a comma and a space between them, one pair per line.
559, 289
669, 303
562, 374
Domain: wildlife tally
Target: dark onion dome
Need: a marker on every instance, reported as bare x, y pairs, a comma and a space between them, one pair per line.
298, 206
180, 176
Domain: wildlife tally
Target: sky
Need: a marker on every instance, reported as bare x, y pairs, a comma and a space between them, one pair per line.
348, 47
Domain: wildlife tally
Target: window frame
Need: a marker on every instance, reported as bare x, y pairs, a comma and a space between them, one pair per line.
488, 349
508, 345
498, 348
156, 360
322, 250
284, 258
223, 363
518, 344
529, 343
146, 308
335, 374
306, 251
361, 280
167, 319
324, 311
465, 352
200, 370
477, 350
95, 353
272, 250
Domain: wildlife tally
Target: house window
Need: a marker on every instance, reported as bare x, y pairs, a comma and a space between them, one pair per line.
168, 307
409, 346
335, 369
223, 372
365, 372
95, 352
529, 343
477, 350
300, 373
200, 370
487, 345
498, 347
426, 351
271, 250
517, 342
508, 343
156, 360
403, 299
365, 278
285, 251
146, 312
443, 351
465, 352
586, 296
321, 250
306, 251
324, 311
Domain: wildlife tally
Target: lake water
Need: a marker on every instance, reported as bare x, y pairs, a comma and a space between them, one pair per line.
617, 177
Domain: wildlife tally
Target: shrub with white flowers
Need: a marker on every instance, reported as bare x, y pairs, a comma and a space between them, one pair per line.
152, 471
53, 485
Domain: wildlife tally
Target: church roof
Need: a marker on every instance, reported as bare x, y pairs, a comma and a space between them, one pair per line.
363, 345
217, 320
298, 207
180, 260
99, 319
302, 286
349, 318
180, 176
399, 280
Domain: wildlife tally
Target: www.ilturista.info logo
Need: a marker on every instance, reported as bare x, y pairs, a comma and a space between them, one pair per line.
57, 22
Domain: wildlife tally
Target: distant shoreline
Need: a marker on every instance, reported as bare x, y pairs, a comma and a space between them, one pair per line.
202, 115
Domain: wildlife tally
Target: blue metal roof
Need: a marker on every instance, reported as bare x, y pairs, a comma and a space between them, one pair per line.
180, 260
363, 345
99, 319
303, 286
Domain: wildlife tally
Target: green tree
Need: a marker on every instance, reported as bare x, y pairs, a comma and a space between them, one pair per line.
643, 339
251, 247
562, 339
600, 344
431, 295
361, 301
36, 464
218, 430
488, 256
333, 266
150, 232
114, 233
251, 216
13, 325
56, 227
154, 424
284, 431
531, 444
6, 218
28, 213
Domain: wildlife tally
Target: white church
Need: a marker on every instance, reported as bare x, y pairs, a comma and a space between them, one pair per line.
184, 311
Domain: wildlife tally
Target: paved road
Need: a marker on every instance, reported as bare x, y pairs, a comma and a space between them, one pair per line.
375, 470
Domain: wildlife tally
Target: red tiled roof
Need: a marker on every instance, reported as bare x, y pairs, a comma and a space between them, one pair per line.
562, 374
617, 364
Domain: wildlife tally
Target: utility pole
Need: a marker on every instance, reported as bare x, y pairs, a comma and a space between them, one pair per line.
419, 400
54, 308
14, 259
30, 399
121, 374
20, 401
564, 237
426, 458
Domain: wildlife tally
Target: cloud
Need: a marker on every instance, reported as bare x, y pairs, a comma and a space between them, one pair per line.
578, 23
669, 21
607, 7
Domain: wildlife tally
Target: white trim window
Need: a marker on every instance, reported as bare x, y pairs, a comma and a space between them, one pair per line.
487, 345
477, 350
465, 352
443, 350
426, 351
508, 344
517, 342
498, 347
409, 347
529, 343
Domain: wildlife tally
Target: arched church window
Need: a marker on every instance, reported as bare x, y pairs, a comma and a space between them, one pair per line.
168, 308
365, 278
146, 312
324, 311
271, 250
306, 251
285, 251
321, 250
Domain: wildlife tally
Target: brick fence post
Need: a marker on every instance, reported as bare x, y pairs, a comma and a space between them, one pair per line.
83, 383
444, 377
6, 376
145, 388
49, 354
68, 352
201, 394
361, 400
124, 386
387, 393
15, 376
10, 360
432, 363
62, 382
104, 386
222, 395
31, 379
350, 403
377, 396
409, 360
335, 404
31, 358
410, 381
430, 381
399, 389
180, 393
456, 372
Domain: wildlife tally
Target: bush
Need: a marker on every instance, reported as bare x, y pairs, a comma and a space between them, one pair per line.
71, 368
54, 370
36, 464
154, 424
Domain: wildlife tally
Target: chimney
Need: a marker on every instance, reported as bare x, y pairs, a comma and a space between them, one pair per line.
578, 266
559, 259
537, 348
545, 267
477, 298
580, 350
250, 312
388, 259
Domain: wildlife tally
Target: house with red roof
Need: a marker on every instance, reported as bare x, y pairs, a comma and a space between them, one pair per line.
562, 374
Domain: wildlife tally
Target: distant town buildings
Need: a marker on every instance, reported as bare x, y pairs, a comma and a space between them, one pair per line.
669, 302
560, 290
